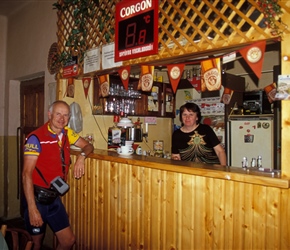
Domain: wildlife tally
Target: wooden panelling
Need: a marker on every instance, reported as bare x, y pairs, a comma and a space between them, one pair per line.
121, 206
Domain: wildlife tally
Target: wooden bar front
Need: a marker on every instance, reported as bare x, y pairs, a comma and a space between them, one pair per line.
140, 202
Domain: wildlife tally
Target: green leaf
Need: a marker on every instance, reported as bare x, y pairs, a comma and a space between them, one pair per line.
56, 6
75, 31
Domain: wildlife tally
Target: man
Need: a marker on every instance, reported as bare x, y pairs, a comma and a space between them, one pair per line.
46, 157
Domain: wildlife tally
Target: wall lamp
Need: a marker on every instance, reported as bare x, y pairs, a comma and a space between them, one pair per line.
286, 58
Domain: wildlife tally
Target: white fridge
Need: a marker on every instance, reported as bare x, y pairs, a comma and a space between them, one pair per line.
251, 136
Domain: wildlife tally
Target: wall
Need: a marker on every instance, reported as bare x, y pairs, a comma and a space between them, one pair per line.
98, 124
30, 32
3, 30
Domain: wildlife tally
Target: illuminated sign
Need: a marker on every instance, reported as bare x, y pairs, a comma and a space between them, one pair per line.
136, 29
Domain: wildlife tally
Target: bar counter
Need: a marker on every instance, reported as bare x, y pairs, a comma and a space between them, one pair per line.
142, 202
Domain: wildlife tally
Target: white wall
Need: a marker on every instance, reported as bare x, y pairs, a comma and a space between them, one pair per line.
30, 33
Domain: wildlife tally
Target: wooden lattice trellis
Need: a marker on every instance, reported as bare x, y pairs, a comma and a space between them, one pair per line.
187, 28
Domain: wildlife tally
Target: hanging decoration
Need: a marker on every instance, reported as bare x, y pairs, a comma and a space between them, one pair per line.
272, 12
211, 74
70, 90
124, 74
146, 78
174, 72
254, 56
271, 91
86, 84
195, 81
104, 85
227, 96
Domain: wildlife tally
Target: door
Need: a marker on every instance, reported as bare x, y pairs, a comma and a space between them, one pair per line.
32, 116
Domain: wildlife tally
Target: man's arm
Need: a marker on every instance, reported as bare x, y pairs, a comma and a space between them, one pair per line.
28, 167
87, 148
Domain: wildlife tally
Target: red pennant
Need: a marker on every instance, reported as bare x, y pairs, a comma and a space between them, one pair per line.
195, 82
254, 56
124, 74
86, 85
175, 72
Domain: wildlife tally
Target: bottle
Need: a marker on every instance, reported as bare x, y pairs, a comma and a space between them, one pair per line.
253, 163
245, 162
139, 150
259, 161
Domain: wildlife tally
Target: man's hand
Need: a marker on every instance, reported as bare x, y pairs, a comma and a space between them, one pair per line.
79, 167
35, 217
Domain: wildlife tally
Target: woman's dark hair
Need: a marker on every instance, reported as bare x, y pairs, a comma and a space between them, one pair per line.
190, 106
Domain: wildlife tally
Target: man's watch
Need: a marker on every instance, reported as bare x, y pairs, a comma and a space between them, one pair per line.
83, 154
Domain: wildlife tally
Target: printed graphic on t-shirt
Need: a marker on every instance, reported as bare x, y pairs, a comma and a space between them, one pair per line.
32, 146
197, 150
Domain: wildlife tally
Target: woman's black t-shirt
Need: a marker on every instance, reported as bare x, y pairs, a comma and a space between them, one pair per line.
197, 145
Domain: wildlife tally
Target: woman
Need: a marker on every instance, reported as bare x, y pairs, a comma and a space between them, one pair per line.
195, 141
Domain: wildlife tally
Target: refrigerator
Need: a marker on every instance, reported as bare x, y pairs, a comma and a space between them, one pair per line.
251, 136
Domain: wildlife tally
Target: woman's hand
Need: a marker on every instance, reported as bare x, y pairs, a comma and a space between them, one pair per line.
175, 157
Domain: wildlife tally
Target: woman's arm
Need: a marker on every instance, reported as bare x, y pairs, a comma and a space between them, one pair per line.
221, 154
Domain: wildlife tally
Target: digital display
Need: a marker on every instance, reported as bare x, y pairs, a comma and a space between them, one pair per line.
57, 182
136, 30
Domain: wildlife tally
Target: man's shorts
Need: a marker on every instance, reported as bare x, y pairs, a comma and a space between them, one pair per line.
54, 215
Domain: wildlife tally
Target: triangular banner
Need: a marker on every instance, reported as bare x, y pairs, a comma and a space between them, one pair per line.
70, 90
124, 74
227, 96
195, 81
211, 74
271, 92
254, 56
86, 85
175, 72
104, 85
146, 78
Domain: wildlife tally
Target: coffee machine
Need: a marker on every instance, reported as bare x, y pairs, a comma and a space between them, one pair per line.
125, 130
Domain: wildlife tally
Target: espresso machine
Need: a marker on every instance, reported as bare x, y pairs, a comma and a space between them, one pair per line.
125, 130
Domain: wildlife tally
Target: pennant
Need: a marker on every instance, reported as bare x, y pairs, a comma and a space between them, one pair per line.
124, 74
86, 85
146, 78
270, 91
104, 85
175, 72
211, 75
195, 81
70, 91
227, 95
254, 56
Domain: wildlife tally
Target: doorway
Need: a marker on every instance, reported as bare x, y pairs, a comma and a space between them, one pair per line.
31, 117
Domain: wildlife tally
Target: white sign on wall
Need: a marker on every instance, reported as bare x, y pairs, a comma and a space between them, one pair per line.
92, 60
108, 57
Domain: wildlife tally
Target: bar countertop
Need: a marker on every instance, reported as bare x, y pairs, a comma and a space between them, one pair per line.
269, 178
